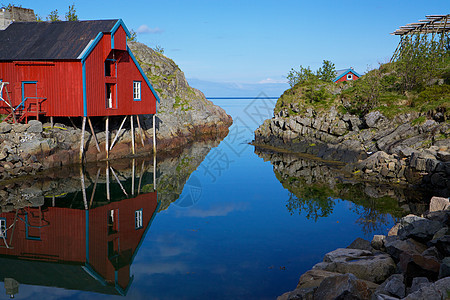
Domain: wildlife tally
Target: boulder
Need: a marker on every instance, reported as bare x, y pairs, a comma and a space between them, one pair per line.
35, 126
418, 283
442, 244
436, 291
298, 294
378, 242
421, 230
395, 247
414, 264
363, 264
439, 203
360, 244
313, 278
345, 286
375, 119
5, 127
393, 286
444, 271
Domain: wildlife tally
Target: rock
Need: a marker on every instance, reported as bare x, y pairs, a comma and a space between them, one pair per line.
378, 242
345, 286
35, 126
313, 278
442, 244
421, 230
5, 127
375, 119
432, 252
443, 156
19, 128
444, 271
440, 233
361, 244
363, 264
394, 286
439, 203
437, 291
395, 246
394, 230
414, 264
418, 283
298, 294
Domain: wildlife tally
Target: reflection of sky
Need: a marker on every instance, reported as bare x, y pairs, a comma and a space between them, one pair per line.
238, 240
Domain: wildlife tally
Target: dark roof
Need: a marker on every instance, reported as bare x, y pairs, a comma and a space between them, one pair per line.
49, 40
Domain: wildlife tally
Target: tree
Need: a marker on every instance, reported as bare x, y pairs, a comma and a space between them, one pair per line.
133, 36
300, 76
53, 16
71, 15
327, 72
159, 49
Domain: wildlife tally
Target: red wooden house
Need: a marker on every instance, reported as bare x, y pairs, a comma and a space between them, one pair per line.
72, 69
90, 250
346, 75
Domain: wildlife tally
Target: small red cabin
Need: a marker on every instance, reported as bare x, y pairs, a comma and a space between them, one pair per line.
72, 69
346, 75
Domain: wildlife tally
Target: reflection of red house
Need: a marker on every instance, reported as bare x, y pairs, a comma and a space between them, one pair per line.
72, 69
76, 249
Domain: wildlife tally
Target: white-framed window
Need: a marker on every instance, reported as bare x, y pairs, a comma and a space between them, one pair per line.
2, 227
138, 218
136, 90
349, 76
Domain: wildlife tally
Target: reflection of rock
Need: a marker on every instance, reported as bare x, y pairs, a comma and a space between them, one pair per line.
174, 172
316, 185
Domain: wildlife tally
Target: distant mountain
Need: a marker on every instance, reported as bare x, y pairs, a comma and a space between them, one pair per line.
235, 89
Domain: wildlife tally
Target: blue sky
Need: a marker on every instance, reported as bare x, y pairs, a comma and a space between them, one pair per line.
247, 47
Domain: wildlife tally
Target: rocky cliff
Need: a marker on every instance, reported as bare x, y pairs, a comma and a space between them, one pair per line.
406, 148
184, 112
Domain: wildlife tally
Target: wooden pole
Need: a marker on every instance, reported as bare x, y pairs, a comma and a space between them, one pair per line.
107, 139
95, 186
93, 134
132, 135
83, 127
83, 188
118, 181
141, 132
51, 122
118, 132
133, 171
154, 172
140, 176
108, 195
154, 134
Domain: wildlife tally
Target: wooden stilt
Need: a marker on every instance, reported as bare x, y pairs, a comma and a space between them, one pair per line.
107, 138
51, 122
118, 181
154, 134
141, 132
133, 171
95, 186
132, 135
93, 134
154, 172
73, 124
83, 188
53, 201
140, 177
83, 127
108, 194
118, 132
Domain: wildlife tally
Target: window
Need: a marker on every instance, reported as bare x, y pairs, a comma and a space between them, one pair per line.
138, 218
110, 95
136, 90
349, 76
110, 67
113, 221
2, 227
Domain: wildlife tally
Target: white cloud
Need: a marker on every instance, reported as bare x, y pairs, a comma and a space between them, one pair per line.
270, 80
144, 29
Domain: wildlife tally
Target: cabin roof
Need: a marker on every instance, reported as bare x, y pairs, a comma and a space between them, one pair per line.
50, 40
342, 72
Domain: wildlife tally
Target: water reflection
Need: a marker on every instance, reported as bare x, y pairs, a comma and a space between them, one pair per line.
316, 186
80, 228
77, 229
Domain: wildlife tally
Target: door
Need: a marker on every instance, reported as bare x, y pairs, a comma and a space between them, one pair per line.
29, 92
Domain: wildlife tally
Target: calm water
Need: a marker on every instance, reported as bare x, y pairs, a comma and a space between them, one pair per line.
223, 223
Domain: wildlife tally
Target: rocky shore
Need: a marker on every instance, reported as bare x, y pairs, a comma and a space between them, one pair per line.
184, 115
411, 262
409, 148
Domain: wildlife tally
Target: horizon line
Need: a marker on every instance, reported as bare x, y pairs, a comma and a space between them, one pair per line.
255, 98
